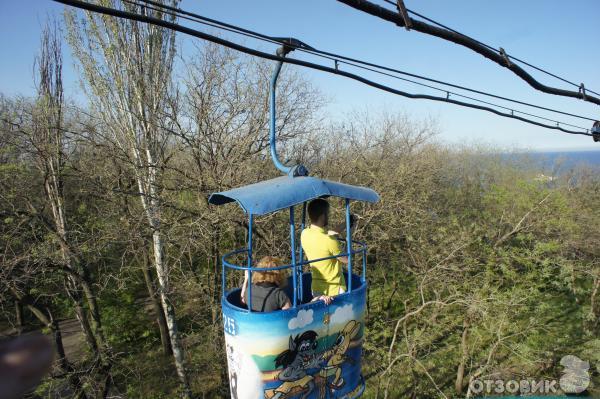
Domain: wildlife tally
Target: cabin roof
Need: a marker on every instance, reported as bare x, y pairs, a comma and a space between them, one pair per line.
284, 191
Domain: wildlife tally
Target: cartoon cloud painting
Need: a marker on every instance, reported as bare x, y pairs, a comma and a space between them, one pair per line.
302, 319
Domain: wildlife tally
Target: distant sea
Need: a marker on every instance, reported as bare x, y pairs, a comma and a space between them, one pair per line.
570, 158
565, 160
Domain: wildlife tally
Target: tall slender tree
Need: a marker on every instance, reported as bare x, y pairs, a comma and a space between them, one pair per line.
48, 140
127, 68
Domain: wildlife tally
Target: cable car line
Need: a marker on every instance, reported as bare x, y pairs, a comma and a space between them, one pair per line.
337, 57
340, 59
494, 49
465, 41
261, 54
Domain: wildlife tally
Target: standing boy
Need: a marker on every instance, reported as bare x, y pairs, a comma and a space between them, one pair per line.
318, 242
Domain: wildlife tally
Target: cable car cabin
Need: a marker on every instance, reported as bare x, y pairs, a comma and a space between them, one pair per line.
311, 350
596, 131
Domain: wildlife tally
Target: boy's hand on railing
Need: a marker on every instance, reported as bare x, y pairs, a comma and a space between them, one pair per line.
325, 298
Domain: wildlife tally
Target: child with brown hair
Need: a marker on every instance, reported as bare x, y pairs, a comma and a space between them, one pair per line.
267, 287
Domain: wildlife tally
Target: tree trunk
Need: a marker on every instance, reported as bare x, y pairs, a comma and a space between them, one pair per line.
48, 320
94, 311
152, 206
78, 278
75, 295
158, 310
163, 280
19, 316
216, 292
595, 312
63, 362
460, 373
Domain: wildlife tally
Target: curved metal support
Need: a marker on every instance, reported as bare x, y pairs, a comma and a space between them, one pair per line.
276, 161
296, 170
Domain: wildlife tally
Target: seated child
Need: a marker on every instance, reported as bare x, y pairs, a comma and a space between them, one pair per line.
267, 292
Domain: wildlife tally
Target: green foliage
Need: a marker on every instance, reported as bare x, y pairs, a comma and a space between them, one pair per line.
464, 243
128, 327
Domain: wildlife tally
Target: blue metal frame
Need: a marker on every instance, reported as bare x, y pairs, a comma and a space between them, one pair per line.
250, 223
349, 244
301, 257
295, 265
362, 249
226, 303
363, 275
293, 245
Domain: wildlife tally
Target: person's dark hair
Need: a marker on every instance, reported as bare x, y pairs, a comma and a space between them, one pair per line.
316, 208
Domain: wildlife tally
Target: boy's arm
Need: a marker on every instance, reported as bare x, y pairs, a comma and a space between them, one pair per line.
338, 229
335, 249
244, 287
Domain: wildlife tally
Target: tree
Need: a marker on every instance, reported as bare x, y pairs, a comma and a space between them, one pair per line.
127, 68
48, 140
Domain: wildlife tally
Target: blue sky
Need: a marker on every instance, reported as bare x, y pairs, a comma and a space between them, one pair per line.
558, 36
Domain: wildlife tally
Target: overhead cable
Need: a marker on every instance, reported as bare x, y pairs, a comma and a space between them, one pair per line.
340, 59
336, 71
498, 57
512, 57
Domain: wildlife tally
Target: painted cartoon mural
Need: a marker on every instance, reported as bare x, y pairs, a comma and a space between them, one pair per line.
336, 357
296, 360
312, 352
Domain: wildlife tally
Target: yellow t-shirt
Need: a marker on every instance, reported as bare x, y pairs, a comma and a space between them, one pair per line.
327, 275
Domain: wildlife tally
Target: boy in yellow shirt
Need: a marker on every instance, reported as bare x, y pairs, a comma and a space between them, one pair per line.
319, 242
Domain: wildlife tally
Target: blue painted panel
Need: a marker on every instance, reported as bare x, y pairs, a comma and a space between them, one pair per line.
324, 341
282, 192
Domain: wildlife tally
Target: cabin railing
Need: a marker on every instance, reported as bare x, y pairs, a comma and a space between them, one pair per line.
358, 247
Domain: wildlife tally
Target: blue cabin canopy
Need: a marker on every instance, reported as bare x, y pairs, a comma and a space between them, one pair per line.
286, 191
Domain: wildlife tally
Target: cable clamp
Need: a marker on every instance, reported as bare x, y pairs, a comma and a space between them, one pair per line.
404, 14
505, 57
298, 170
582, 91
